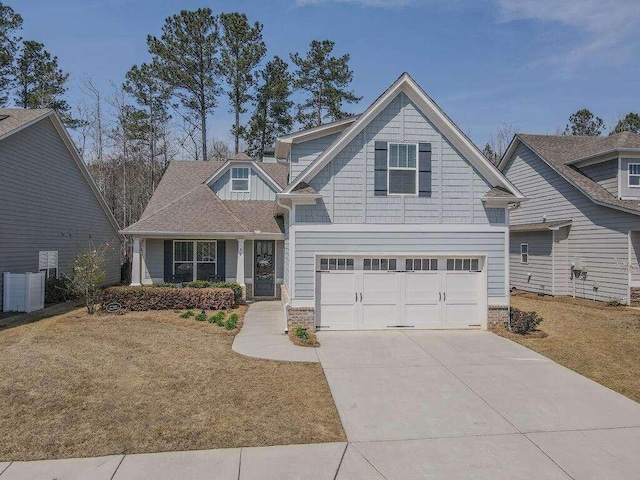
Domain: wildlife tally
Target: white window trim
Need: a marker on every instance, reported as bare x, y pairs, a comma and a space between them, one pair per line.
524, 253
194, 261
50, 254
248, 179
629, 174
415, 169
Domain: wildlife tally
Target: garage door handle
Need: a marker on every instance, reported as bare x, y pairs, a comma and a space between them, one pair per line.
356, 296
361, 296
439, 296
445, 296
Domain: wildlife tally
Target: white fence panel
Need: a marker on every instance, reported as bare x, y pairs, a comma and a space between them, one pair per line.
23, 292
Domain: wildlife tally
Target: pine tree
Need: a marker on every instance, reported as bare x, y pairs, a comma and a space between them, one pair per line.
241, 52
186, 57
324, 78
583, 122
272, 115
488, 152
10, 22
40, 82
630, 123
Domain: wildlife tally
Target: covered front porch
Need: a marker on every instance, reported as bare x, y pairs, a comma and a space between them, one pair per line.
255, 262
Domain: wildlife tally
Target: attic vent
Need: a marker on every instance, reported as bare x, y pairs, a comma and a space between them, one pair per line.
2, 117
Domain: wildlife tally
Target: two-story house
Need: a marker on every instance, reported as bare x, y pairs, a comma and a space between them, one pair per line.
389, 219
579, 231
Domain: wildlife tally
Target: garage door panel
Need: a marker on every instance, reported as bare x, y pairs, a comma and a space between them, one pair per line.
380, 288
338, 288
338, 317
423, 316
422, 288
461, 316
461, 286
379, 316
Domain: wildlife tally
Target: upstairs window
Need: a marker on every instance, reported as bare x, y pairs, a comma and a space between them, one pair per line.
240, 179
634, 174
403, 169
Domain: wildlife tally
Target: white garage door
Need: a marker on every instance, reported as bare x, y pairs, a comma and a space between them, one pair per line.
382, 293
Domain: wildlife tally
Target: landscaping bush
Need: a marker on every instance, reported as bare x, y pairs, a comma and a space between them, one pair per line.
202, 316
57, 290
187, 314
218, 319
198, 284
164, 285
615, 302
232, 322
524, 322
164, 298
237, 289
302, 333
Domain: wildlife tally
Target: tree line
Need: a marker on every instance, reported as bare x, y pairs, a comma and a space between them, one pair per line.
161, 111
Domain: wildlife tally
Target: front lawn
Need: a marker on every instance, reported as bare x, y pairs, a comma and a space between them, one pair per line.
591, 338
76, 385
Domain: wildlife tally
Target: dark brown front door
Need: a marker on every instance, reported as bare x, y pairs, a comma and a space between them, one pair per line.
265, 278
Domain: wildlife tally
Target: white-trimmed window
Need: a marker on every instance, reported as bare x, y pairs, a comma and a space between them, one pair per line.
384, 264
48, 263
402, 177
338, 263
194, 260
415, 264
463, 264
524, 253
240, 179
634, 175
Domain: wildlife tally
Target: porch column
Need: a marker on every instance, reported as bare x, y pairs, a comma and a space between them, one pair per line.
240, 268
135, 263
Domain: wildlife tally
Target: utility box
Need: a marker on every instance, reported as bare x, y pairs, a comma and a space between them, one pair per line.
23, 292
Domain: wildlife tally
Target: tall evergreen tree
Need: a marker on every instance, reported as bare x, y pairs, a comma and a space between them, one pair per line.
272, 115
325, 79
630, 123
40, 82
241, 52
10, 23
583, 122
152, 95
187, 62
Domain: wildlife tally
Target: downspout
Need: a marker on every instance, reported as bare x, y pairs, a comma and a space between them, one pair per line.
286, 305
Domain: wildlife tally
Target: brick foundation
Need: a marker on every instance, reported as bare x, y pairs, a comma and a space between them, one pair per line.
249, 291
635, 297
497, 315
297, 316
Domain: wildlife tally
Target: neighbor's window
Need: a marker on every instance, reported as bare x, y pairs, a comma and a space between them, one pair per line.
524, 253
240, 179
403, 169
48, 263
463, 264
634, 174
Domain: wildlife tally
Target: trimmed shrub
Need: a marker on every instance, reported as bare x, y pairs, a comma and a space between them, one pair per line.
187, 314
202, 316
198, 284
218, 319
164, 285
57, 290
232, 322
237, 289
524, 322
159, 298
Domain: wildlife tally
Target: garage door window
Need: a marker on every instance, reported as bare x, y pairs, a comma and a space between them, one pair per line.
415, 264
327, 264
379, 264
463, 264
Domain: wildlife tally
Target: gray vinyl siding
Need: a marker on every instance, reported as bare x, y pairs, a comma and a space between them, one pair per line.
625, 190
47, 204
605, 173
598, 235
562, 270
153, 261
258, 188
308, 243
302, 154
231, 259
347, 182
634, 252
539, 262
285, 252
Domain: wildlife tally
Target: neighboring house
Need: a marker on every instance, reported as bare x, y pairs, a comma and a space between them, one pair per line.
389, 219
579, 231
50, 207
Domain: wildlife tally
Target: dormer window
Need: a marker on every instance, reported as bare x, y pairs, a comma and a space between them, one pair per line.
240, 179
634, 175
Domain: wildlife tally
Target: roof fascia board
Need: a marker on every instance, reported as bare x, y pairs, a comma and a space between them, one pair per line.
283, 144
204, 235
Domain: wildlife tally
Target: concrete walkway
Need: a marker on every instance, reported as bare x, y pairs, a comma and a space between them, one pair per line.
262, 336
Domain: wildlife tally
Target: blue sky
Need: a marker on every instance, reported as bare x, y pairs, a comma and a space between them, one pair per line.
527, 62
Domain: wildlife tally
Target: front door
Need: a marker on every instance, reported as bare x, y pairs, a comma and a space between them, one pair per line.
264, 268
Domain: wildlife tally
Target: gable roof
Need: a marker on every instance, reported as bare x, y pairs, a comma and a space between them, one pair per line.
13, 120
274, 173
560, 152
406, 84
283, 144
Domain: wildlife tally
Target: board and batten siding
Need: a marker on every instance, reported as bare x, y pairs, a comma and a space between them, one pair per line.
539, 262
258, 188
302, 154
46, 204
347, 182
308, 243
605, 173
598, 235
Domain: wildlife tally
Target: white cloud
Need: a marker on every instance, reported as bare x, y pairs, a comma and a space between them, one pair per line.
608, 28
366, 3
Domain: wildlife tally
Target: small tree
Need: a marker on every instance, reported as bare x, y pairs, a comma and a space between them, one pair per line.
584, 123
89, 275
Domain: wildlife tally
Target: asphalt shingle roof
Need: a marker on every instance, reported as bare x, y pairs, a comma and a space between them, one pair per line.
538, 227
18, 117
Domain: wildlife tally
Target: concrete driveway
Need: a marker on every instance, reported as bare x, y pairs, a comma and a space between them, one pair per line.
445, 404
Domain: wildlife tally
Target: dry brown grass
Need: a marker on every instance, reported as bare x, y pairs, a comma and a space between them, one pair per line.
591, 338
74, 385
